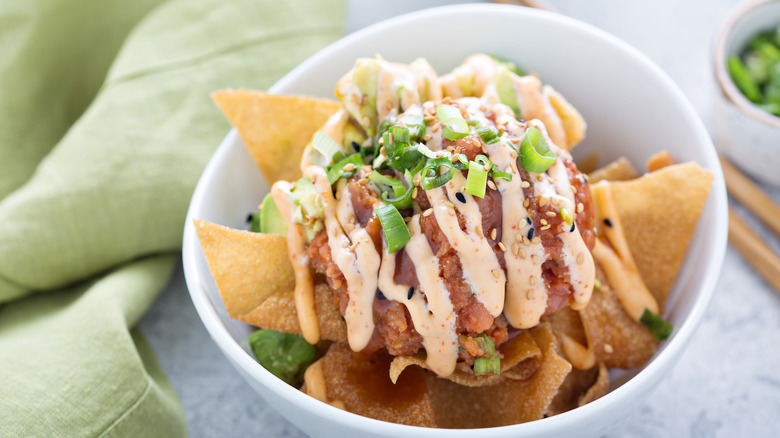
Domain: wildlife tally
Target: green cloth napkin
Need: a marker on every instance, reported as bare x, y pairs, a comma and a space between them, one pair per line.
105, 126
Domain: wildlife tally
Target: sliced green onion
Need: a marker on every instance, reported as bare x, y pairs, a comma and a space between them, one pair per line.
325, 145
424, 150
476, 180
743, 80
455, 127
501, 175
659, 328
407, 159
430, 178
415, 123
402, 195
473, 122
393, 227
566, 216
486, 344
483, 365
337, 171
535, 153
400, 134
489, 134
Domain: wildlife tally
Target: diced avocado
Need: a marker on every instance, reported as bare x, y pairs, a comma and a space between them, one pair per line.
511, 66
505, 86
254, 222
366, 79
465, 78
285, 355
271, 220
309, 210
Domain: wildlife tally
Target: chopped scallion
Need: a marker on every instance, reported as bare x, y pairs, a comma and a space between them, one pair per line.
337, 170
489, 134
455, 127
393, 227
659, 328
535, 153
325, 145
486, 344
483, 365
430, 177
476, 180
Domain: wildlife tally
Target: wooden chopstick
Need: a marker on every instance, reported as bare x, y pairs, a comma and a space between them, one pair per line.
743, 189
755, 251
741, 236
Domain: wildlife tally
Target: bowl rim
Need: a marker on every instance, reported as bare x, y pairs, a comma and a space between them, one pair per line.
722, 76
641, 382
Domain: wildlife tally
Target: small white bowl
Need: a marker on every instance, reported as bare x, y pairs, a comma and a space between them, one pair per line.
633, 109
749, 136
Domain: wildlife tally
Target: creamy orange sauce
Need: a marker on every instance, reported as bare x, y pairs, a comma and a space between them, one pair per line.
303, 293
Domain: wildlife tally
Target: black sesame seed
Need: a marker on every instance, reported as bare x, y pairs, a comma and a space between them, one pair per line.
472, 367
355, 146
410, 294
379, 295
249, 218
608, 222
521, 120
572, 227
531, 233
461, 197
528, 219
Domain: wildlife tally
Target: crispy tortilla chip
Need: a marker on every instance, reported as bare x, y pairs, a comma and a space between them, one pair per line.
659, 161
659, 213
247, 267
589, 163
364, 387
278, 312
567, 321
509, 402
520, 359
618, 170
275, 128
600, 387
573, 123
579, 388
613, 336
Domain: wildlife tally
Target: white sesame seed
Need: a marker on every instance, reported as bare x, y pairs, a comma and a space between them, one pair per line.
349, 167
532, 280
580, 207
492, 185
608, 349
546, 227
493, 234
521, 253
501, 245
529, 294
536, 240
536, 259
515, 249
543, 221
551, 214
525, 184
427, 212
580, 258
496, 273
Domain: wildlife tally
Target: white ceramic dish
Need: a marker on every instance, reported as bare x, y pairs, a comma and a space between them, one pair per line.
747, 135
632, 109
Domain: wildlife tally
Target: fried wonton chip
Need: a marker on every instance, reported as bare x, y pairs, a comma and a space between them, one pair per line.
275, 128
247, 267
589, 163
618, 170
521, 357
579, 388
659, 213
509, 402
278, 312
364, 388
614, 337
659, 161
573, 123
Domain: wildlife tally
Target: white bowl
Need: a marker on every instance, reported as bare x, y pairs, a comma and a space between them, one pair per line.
749, 136
632, 108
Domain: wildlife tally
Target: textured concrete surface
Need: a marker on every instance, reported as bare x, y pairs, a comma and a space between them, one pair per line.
726, 384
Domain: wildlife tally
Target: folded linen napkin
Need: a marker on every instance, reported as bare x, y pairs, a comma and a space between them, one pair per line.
96, 172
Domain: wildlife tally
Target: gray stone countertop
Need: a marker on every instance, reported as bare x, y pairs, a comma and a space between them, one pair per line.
727, 383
